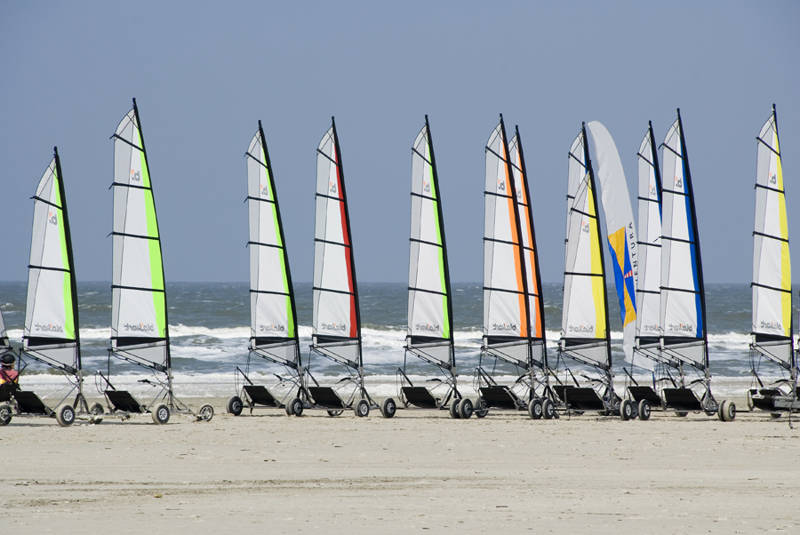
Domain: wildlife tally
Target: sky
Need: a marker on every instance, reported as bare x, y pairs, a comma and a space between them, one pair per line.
204, 73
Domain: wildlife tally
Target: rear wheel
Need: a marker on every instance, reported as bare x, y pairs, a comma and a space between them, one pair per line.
335, 412
548, 409
727, 411
297, 406
5, 414
65, 415
235, 406
775, 415
481, 408
362, 408
454, 409
205, 413
96, 409
160, 415
626, 409
681, 414
748, 396
644, 410
465, 409
535, 409
388, 408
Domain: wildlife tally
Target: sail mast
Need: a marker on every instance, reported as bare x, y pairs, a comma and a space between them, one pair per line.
590, 170
70, 259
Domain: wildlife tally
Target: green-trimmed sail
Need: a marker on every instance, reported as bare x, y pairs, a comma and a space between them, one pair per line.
430, 310
51, 314
273, 322
139, 327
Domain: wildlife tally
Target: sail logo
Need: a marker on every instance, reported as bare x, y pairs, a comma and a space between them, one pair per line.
585, 226
771, 325
678, 182
274, 327
505, 326
773, 179
332, 186
501, 184
265, 190
52, 218
334, 326
653, 192
426, 186
586, 328
140, 327
428, 327
48, 328
682, 327
136, 176
623, 275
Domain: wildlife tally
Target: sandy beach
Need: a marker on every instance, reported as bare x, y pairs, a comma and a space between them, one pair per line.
420, 471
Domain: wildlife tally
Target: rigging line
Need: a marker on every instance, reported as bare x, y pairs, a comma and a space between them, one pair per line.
784, 240
648, 199
680, 240
137, 288
124, 185
262, 164
778, 154
491, 289
577, 160
340, 244
583, 213
504, 196
685, 290
673, 151
262, 244
770, 188
128, 142
579, 274
768, 287
643, 157
48, 268
329, 158
37, 198
649, 244
344, 292
139, 236
500, 157
268, 292
674, 192
411, 288
331, 197
271, 201
433, 244
495, 240
643, 291
421, 156
421, 196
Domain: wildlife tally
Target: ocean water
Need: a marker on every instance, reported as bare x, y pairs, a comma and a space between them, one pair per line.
209, 328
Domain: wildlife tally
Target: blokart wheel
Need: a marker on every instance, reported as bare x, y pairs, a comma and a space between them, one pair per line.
775, 415
6, 413
481, 408
362, 408
626, 409
335, 412
548, 409
465, 408
388, 408
644, 410
65, 415
297, 406
727, 411
454, 409
748, 396
96, 409
160, 415
681, 414
205, 413
235, 406
535, 409
288, 409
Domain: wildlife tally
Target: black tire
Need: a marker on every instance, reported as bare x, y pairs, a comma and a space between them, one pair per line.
206, 413
160, 414
297, 406
454, 409
548, 409
626, 409
388, 408
535, 409
481, 408
681, 414
748, 396
335, 412
6, 414
727, 411
235, 406
65, 415
644, 410
465, 409
362, 408
96, 409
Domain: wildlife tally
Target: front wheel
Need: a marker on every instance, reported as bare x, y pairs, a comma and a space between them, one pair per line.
297, 406
626, 409
96, 409
388, 408
644, 410
454, 409
465, 409
160, 415
535, 409
748, 396
481, 408
65, 415
727, 411
362, 408
235, 406
548, 409
5, 414
335, 412
205, 413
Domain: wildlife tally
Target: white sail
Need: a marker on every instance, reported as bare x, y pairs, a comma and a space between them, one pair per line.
620, 227
4, 343
648, 289
430, 322
584, 333
772, 269
51, 321
139, 306
682, 314
336, 322
273, 326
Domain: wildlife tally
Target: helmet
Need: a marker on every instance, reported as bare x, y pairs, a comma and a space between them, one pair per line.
8, 359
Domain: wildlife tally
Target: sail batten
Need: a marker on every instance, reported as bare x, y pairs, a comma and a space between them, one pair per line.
336, 316
51, 316
139, 324
273, 323
772, 328
682, 306
585, 332
430, 316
